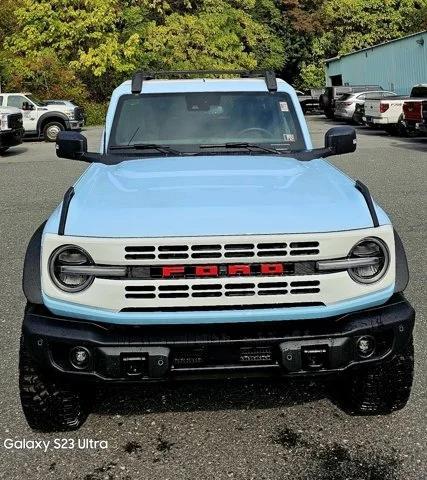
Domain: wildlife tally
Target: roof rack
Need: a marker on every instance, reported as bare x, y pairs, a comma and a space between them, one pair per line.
139, 77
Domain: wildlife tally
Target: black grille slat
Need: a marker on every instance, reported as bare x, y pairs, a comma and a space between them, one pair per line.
272, 292
304, 252
208, 286
173, 256
239, 246
240, 293
173, 248
197, 248
140, 249
175, 288
239, 286
173, 295
272, 284
302, 291
140, 295
206, 255
271, 246
238, 254
136, 256
305, 283
141, 288
272, 253
206, 294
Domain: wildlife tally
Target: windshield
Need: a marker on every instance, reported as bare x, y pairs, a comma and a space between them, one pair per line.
191, 121
420, 92
36, 100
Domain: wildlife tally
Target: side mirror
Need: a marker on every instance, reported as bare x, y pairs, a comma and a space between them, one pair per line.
27, 106
341, 140
72, 145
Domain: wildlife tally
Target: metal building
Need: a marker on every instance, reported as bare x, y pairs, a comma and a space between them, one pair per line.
396, 65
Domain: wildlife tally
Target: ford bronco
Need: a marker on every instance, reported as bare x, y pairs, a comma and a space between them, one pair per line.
209, 238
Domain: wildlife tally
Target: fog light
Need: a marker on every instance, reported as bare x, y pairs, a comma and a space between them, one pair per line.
365, 346
80, 358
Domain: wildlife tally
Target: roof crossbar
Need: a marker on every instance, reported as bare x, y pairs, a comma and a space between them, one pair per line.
139, 77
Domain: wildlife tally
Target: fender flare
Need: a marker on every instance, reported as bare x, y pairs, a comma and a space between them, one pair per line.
52, 115
31, 279
402, 270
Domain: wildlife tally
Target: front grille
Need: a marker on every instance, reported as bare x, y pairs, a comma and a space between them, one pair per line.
221, 289
79, 113
15, 121
229, 251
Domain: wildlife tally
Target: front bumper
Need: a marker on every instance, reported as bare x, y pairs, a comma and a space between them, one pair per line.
422, 127
344, 114
11, 138
155, 353
75, 124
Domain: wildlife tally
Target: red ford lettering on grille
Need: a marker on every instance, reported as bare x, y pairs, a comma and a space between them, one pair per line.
173, 271
206, 271
234, 270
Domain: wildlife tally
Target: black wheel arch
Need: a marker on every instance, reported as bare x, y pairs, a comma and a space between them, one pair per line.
402, 270
31, 279
51, 117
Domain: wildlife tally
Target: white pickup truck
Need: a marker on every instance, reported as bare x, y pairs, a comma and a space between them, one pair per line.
387, 113
41, 119
11, 130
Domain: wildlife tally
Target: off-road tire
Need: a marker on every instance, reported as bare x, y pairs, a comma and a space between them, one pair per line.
379, 389
49, 130
47, 405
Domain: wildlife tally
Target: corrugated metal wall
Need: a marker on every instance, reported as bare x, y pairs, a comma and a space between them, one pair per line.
396, 65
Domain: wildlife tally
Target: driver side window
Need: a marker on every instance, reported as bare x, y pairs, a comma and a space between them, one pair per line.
16, 101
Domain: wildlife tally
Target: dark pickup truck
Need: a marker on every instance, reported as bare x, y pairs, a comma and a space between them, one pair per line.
414, 109
11, 129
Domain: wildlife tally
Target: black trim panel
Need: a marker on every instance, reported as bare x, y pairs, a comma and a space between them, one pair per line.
363, 189
69, 194
31, 279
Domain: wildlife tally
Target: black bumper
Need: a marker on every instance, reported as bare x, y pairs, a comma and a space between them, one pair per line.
11, 138
147, 353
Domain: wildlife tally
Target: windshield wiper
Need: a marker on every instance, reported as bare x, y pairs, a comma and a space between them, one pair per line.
249, 146
147, 146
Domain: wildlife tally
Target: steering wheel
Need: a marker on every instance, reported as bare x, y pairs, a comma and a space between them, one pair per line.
262, 131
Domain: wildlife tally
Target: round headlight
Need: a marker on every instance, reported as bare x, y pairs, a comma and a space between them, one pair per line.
63, 277
370, 248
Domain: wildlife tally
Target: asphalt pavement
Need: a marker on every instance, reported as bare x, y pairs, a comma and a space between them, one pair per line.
216, 430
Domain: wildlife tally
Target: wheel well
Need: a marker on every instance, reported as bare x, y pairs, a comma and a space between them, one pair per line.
49, 120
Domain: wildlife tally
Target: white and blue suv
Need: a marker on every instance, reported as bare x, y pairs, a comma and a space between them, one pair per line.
208, 237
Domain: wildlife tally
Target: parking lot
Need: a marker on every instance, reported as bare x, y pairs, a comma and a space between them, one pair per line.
240, 430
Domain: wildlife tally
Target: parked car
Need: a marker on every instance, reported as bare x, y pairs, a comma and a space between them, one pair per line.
413, 108
387, 113
209, 238
41, 119
331, 94
11, 130
345, 106
309, 100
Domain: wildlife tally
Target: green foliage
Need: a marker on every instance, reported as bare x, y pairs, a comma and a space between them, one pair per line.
95, 112
311, 76
82, 49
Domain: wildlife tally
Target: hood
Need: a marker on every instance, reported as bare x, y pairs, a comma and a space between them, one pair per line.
214, 195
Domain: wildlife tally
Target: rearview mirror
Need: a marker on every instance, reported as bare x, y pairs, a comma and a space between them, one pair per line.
72, 145
341, 140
